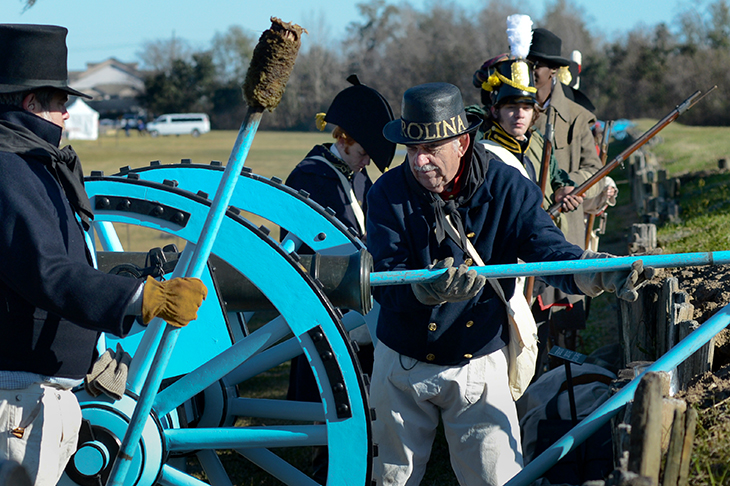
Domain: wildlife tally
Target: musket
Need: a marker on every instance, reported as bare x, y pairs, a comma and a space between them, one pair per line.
554, 210
603, 156
547, 152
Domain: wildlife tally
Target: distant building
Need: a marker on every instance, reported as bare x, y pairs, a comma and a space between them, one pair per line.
114, 86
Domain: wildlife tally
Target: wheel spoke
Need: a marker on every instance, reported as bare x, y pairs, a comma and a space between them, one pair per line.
245, 437
173, 477
277, 467
213, 468
277, 409
212, 371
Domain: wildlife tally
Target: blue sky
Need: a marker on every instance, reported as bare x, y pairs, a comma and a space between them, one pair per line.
99, 29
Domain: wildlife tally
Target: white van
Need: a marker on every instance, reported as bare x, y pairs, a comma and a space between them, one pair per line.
179, 124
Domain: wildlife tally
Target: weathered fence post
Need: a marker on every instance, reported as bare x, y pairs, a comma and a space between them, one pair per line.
646, 428
642, 238
674, 453
700, 361
689, 437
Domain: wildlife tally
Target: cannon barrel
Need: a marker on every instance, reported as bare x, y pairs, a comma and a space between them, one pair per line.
345, 279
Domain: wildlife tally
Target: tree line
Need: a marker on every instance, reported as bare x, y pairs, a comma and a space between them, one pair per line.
644, 72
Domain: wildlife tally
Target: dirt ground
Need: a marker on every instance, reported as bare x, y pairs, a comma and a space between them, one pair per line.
709, 291
708, 288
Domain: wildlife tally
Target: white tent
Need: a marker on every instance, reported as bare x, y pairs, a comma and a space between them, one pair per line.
83, 123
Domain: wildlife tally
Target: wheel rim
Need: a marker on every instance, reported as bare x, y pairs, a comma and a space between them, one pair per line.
234, 231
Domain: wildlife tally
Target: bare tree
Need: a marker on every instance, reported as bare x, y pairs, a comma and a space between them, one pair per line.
492, 24
232, 53
567, 20
159, 55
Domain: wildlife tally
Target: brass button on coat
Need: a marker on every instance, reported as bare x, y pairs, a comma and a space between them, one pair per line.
432, 326
470, 234
470, 323
469, 262
430, 356
468, 356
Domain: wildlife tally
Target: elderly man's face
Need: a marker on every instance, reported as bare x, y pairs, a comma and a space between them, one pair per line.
435, 165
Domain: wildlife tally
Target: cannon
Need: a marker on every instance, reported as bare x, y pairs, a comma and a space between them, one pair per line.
204, 389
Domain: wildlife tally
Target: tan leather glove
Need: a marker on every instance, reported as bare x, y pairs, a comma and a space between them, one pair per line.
456, 284
624, 283
176, 301
109, 374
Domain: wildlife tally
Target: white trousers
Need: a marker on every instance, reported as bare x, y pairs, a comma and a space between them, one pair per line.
40, 429
475, 405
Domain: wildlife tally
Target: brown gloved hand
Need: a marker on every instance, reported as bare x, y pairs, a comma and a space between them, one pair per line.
624, 284
456, 284
175, 301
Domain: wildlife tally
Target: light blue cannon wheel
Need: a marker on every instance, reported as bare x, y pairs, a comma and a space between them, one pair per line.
267, 198
305, 312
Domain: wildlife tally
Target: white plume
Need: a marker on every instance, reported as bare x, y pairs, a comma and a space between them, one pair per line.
519, 34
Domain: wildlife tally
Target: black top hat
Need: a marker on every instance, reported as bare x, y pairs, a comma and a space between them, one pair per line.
512, 80
546, 46
34, 56
363, 112
430, 112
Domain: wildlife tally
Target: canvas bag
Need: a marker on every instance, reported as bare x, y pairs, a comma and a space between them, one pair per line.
522, 345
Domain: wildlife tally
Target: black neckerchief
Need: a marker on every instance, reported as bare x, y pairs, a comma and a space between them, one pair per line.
18, 135
474, 176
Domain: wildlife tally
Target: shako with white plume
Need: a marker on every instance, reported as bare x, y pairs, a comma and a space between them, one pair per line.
513, 77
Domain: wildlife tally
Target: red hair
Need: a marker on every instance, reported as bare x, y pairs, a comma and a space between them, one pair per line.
340, 135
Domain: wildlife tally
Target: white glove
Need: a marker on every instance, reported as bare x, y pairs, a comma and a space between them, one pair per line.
624, 283
456, 284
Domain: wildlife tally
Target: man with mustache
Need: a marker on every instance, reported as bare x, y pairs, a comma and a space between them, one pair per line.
441, 352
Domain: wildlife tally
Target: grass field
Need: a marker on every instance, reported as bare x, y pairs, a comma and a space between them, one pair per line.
685, 149
271, 154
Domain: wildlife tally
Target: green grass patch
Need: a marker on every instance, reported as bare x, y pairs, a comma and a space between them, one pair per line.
705, 216
682, 149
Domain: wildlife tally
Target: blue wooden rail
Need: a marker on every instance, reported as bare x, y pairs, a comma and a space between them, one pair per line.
559, 267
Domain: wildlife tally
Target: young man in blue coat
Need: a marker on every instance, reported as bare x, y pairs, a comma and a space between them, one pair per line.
441, 344
334, 175
53, 303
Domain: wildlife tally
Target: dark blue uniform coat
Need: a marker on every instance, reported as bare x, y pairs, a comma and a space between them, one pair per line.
504, 220
52, 302
324, 186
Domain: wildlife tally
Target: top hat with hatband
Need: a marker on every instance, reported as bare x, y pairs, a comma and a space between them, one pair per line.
429, 113
32, 57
